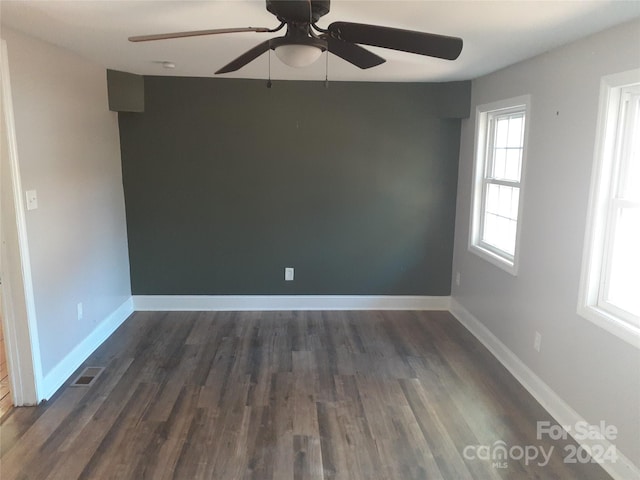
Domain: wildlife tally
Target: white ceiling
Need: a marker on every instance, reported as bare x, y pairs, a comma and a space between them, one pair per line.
495, 33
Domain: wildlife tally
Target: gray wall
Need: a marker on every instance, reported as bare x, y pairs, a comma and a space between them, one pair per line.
595, 372
68, 151
228, 182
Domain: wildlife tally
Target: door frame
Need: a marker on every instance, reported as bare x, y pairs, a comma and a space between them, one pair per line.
18, 305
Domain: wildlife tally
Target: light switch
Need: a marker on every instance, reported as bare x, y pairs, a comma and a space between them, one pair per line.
32, 199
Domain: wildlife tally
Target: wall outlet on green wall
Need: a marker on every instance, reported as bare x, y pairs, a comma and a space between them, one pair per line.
288, 274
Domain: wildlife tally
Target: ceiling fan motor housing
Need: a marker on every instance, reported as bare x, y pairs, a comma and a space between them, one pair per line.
297, 11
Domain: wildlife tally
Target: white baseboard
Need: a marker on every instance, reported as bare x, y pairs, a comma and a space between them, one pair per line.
63, 370
622, 469
286, 302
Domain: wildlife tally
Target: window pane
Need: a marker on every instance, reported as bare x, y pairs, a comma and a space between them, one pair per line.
509, 237
492, 199
500, 232
489, 232
502, 132
516, 124
512, 164
502, 200
499, 159
500, 220
624, 273
515, 201
507, 147
632, 180
630, 184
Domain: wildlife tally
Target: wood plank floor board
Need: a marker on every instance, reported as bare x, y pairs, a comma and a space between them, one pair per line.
171, 439
230, 450
284, 396
334, 459
193, 456
206, 428
420, 462
448, 457
108, 460
307, 458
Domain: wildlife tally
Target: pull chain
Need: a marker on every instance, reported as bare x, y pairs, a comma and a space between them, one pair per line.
269, 81
326, 77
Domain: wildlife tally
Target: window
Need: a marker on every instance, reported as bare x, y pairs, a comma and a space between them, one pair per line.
610, 287
500, 156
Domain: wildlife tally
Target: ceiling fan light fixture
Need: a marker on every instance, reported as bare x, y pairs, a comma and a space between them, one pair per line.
298, 55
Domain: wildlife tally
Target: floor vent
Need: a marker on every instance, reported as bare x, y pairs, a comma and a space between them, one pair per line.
87, 377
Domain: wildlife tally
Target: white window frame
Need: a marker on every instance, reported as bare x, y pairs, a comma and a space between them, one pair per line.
497, 257
598, 231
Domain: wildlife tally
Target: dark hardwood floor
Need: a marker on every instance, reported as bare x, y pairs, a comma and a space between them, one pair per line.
285, 395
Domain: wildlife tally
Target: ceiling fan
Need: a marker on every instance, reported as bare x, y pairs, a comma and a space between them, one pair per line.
304, 41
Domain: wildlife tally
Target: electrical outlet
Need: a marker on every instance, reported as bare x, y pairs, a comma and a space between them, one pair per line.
458, 279
288, 274
537, 342
80, 311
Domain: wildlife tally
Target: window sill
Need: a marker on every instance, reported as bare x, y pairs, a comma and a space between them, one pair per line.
621, 329
491, 257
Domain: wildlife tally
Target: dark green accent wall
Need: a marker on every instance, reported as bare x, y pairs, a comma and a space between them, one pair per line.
227, 182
